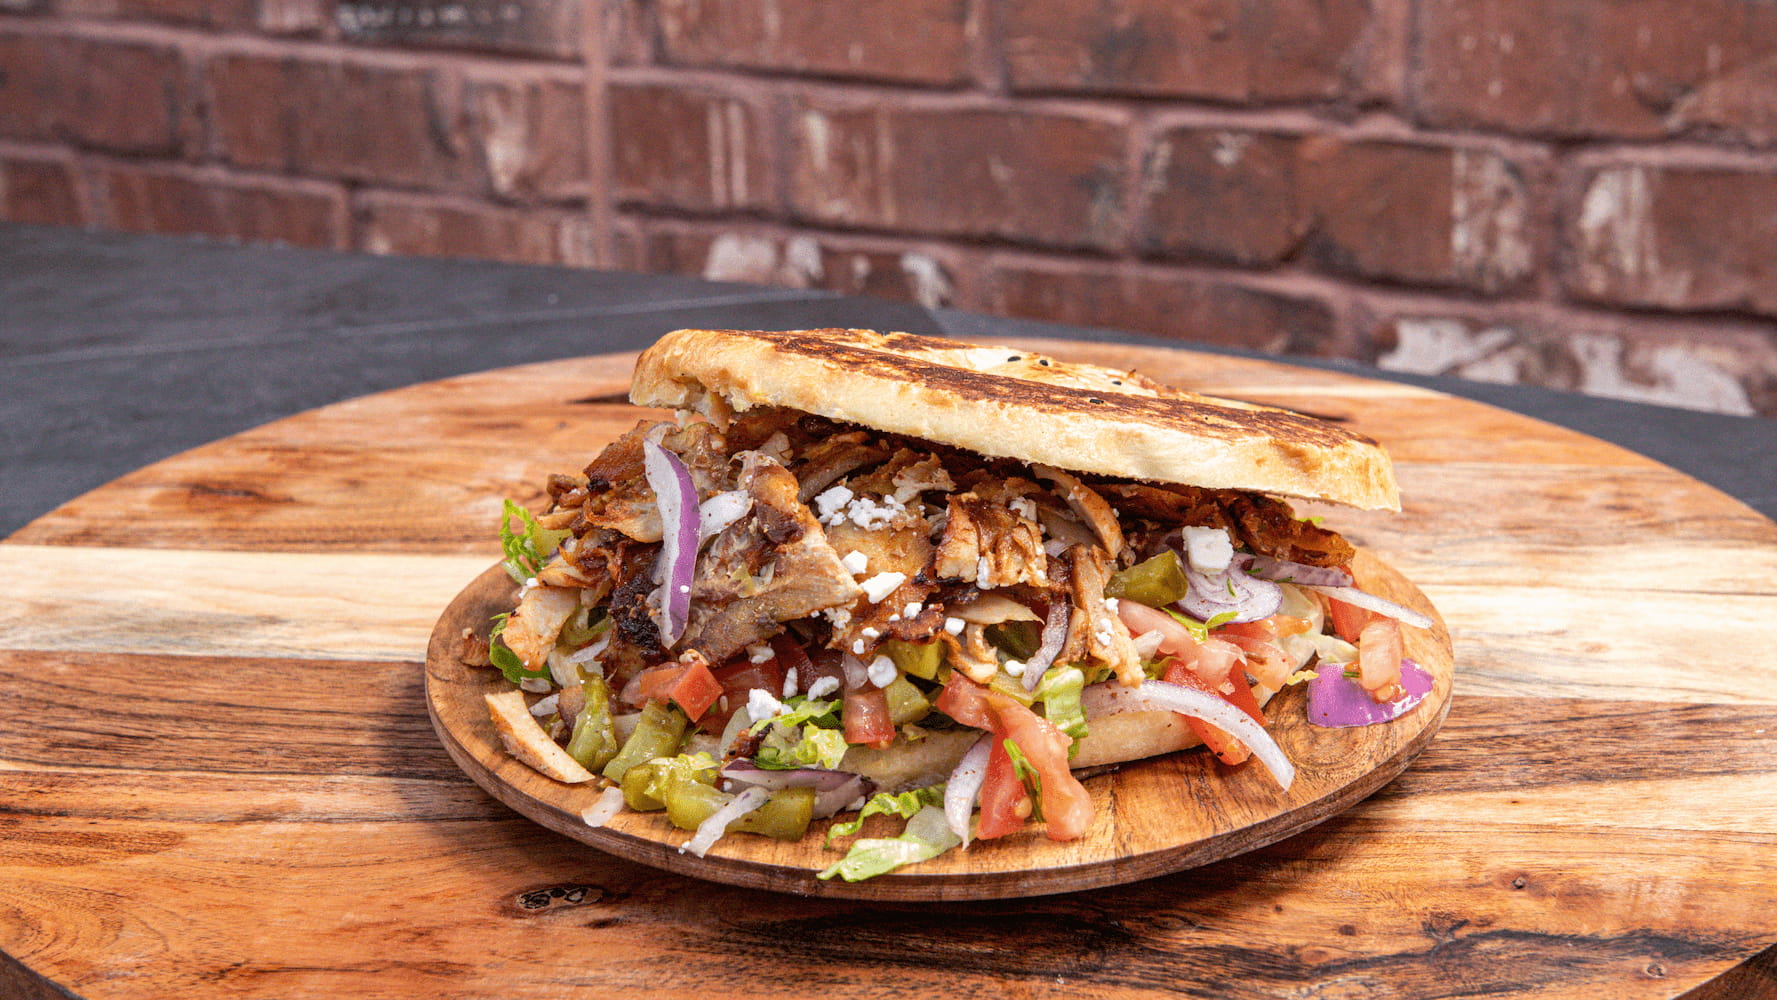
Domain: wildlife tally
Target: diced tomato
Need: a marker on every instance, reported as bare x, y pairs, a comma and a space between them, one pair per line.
966, 702
1265, 658
1005, 804
1349, 620
696, 689
1067, 806
651, 684
1226, 748
1379, 654
738, 679
865, 716
1141, 619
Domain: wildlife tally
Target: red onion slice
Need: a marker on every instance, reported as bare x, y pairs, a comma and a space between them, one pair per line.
712, 829
677, 496
1336, 701
964, 787
1055, 631
1159, 696
834, 791
1285, 571
1230, 592
1370, 602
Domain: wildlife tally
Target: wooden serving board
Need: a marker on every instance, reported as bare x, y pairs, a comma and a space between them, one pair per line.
218, 776
1152, 818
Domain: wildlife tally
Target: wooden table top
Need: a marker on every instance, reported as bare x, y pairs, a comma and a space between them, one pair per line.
217, 777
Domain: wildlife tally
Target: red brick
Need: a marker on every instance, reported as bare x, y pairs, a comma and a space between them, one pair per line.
1222, 49
1388, 210
1164, 303
1719, 367
1675, 237
1418, 214
530, 136
417, 226
915, 41
987, 172
208, 202
344, 119
1641, 69
198, 13
909, 273
122, 96
678, 146
1224, 195
44, 191
546, 28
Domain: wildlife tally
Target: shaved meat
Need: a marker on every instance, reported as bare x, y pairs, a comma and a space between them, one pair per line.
1103, 636
971, 653
1170, 505
1091, 507
772, 566
903, 546
826, 462
1270, 528
990, 545
532, 629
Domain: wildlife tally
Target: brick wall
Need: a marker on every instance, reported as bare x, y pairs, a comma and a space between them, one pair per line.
1574, 193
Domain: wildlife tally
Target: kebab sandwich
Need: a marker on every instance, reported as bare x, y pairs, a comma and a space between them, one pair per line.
871, 573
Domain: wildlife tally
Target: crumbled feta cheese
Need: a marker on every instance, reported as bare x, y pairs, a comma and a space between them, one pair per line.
882, 671
839, 618
954, 625
1110, 604
912, 610
881, 585
1208, 550
823, 686
870, 633
855, 562
857, 647
789, 682
544, 706
830, 505
1015, 668
983, 573
759, 652
762, 705
872, 514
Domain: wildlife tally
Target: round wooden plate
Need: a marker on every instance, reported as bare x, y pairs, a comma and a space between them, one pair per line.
1152, 817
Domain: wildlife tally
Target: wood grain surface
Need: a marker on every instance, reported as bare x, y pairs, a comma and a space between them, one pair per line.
218, 778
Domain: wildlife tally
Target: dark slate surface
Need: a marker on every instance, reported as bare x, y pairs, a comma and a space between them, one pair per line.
119, 350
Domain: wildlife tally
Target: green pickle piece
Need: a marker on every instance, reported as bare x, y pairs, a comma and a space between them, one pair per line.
920, 659
785, 814
657, 734
1155, 582
905, 702
594, 740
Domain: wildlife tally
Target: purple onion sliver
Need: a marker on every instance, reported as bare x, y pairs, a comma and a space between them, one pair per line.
964, 787
1336, 701
677, 497
1055, 631
1284, 571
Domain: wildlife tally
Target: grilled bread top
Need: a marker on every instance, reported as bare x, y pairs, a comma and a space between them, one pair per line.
1007, 403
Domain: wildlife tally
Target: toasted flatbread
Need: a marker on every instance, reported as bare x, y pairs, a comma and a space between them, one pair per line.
1008, 403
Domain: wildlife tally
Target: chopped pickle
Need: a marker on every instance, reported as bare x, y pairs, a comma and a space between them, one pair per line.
784, 815
1019, 640
1156, 582
922, 659
645, 785
1013, 687
657, 734
594, 740
905, 702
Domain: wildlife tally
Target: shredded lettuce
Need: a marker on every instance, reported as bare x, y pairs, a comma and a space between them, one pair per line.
927, 835
1059, 691
527, 548
786, 748
504, 658
902, 804
1200, 630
